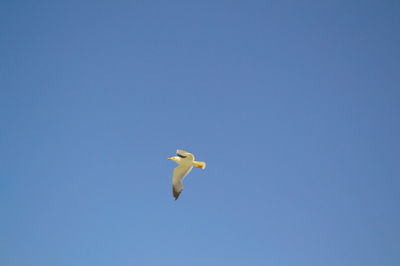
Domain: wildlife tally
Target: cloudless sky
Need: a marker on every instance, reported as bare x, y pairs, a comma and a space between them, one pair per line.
293, 105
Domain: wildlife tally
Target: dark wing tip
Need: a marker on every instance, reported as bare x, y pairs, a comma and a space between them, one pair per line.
181, 153
176, 193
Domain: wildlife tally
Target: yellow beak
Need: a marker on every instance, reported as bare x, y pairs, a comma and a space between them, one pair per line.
170, 158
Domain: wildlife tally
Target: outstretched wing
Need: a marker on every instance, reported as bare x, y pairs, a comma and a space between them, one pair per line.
179, 174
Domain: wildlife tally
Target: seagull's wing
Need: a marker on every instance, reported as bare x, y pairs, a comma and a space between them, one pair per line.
184, 154
179, 174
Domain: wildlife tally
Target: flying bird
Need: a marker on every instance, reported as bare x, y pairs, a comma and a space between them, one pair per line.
186, 162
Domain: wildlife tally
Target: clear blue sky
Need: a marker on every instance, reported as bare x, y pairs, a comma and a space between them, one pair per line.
294, 105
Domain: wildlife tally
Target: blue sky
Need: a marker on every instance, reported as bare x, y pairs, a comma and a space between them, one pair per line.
294, 105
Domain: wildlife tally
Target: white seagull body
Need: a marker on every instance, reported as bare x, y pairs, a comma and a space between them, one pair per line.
186, 162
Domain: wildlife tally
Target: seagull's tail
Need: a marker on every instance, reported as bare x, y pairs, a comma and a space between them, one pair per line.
200, 165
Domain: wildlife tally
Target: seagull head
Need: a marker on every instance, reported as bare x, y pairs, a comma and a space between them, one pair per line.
175, 159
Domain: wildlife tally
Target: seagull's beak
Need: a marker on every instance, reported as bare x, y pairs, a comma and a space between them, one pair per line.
170, 158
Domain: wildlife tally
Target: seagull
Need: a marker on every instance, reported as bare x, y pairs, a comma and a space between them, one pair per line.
186, 162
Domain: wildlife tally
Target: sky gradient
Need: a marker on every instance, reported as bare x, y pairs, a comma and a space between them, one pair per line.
293, 105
